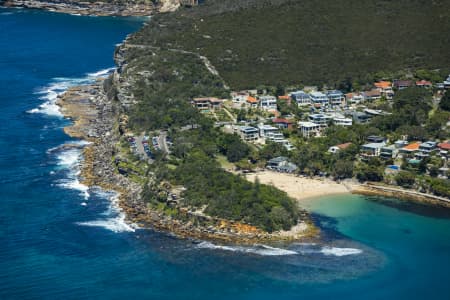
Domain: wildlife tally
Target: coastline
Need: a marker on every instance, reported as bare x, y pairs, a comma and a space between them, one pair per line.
301, 188
94, 8
93, 119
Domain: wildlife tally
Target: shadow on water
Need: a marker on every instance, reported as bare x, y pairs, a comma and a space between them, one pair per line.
422, 209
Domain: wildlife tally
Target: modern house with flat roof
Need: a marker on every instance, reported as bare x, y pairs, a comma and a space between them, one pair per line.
375, 139
388, 152
360, 117
372, 149
321, 119
336, 97
248, 133
319, 99
428, 147
268, 103
309, 129
207, 104
281, 164
302, 98
264, 130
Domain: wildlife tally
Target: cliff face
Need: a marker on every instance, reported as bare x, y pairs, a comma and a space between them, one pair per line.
98, 8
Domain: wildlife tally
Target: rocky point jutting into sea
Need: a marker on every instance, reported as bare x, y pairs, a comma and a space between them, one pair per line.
97, 8
98, 114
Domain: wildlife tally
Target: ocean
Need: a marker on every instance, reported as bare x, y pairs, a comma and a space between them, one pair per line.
61, 240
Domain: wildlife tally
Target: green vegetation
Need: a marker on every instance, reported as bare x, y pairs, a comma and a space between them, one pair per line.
337, 42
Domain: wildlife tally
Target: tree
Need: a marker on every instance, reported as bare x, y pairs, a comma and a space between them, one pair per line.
405, 179
445, 102
342, 169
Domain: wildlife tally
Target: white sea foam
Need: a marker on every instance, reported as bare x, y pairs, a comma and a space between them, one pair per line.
116, 224
70, 159
340, 251
263, 250
101, 73
57, 87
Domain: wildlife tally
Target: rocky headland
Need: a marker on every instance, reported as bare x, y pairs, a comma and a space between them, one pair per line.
97, 8
97, 115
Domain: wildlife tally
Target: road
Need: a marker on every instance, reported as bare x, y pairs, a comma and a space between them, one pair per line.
162, 141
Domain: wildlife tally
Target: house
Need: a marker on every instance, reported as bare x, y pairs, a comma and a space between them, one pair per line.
336, 97
302, 98
281, 164
340, 120
388, 152
428, 147
282, 123
444, 146
320, 119
400, 143
424, 83
264, 130
410, 148
319, 99
248, 133
446, 83
354, 97
385, 88
360, 117
402, 84
309, 129
239, 97
337, 148
215, 103
372, 95
375, 139
372, 149
252, 102
268, 103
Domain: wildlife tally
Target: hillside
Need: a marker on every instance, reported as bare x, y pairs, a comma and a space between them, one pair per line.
311, 42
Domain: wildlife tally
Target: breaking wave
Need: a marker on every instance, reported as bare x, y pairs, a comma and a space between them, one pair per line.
49, 94
70, 160
257, 249
115, 221
301, 249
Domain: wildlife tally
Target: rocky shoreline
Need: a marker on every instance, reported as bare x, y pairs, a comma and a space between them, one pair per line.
94, 120
98, 8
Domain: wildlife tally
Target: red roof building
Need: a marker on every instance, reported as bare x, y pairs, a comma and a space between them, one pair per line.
282, 123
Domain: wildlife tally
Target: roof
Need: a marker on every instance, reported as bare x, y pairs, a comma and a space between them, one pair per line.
281, 120
285, 97
278, 159
308, 124
445, 145
372, 93
412, 147
423, 82
248, 129
374, 145
402, 82
318, 94
343, 146
383, 84
251, 99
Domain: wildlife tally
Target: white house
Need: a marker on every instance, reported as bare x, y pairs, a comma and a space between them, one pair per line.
319, 98
309, 129
268, 102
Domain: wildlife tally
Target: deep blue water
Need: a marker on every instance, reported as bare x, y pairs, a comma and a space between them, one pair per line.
59, 240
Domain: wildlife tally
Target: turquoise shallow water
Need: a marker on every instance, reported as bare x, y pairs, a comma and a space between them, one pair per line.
61, 240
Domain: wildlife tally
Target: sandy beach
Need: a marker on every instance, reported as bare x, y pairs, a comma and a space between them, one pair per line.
300, 187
